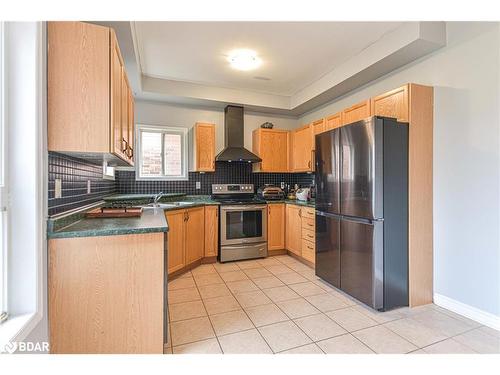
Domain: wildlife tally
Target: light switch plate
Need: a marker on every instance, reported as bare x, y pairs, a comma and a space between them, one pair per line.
58, 188
198, 185
88, 186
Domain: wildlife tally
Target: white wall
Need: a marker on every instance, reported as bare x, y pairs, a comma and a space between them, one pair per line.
466, 79
157, 113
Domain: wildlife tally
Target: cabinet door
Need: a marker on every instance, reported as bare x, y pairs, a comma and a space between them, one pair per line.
308, 252
272, 147
195, 234
318, 127
392, 104
333, 121
131, 125
276, 226
205, 147
357, 112
118, 142
125, 96
302, 149
211, 230
78, 87
175, 239
293, 229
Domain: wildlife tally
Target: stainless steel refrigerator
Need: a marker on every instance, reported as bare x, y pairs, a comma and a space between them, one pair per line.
362, 210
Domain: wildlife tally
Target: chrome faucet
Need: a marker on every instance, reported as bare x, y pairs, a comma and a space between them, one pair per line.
157, 197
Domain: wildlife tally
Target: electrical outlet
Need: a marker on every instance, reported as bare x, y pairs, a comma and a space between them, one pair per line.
88, 186
198, 185
58, 188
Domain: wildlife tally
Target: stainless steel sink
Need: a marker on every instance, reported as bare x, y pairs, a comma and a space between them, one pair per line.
168, 205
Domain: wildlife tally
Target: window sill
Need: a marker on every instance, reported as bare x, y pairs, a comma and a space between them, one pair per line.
14, 326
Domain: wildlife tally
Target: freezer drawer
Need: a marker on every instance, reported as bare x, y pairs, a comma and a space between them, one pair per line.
328, 248
361, 259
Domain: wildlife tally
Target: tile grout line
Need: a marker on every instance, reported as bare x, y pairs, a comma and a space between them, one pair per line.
327, 290
251, 321
208, 316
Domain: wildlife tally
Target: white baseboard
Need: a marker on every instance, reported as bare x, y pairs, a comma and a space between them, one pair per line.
480, 316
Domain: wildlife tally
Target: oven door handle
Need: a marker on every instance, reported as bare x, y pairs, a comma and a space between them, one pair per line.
244, 208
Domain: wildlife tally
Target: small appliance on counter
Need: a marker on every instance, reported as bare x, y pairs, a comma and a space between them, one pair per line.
270, 192
302, 194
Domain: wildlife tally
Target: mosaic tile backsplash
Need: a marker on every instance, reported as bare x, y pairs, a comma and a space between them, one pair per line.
225, 173
74, 174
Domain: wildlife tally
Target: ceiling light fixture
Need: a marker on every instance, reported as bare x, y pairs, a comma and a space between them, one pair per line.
244, 59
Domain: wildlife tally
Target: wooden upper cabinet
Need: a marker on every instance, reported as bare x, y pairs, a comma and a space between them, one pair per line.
293, 229
333, 121
87, 92
176, 239
203, 147
211, 230
302, 149
273, 147
195, 234
117, 100
276, 226
131, 124
392, 104
357, 112
78, 89
318, 126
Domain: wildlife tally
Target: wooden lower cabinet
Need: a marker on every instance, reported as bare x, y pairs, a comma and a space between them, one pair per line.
211, 231
106, 294
195, 234
189, 230
300, 232
293, 229
176, 240
308, 250
276, 226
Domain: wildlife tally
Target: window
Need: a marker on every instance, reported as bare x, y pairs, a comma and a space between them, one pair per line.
162, 153
3, 189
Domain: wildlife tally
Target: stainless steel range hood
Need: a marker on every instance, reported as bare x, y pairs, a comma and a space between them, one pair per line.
233, 138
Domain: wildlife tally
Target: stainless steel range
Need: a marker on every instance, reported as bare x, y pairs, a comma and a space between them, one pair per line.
243, 222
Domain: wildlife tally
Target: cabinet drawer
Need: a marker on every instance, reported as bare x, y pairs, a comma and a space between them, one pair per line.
308, 223
308, 213
308, 234
308, 251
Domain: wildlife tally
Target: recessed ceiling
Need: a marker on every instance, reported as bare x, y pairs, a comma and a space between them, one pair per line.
294, 54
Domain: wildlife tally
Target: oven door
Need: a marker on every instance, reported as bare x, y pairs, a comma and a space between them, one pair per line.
243, 224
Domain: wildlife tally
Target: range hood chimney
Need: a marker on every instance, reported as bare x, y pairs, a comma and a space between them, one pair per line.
233, 138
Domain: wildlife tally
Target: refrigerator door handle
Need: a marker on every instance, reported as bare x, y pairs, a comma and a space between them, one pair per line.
327, 214
362, 220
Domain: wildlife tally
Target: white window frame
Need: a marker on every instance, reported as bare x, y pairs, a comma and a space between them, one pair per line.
184, 152
3, 185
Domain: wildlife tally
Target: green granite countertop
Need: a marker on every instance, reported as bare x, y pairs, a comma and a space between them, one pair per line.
136, 197
144, 199
152, 220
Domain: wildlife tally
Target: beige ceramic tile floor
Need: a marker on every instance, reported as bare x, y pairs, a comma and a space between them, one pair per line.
278, 305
